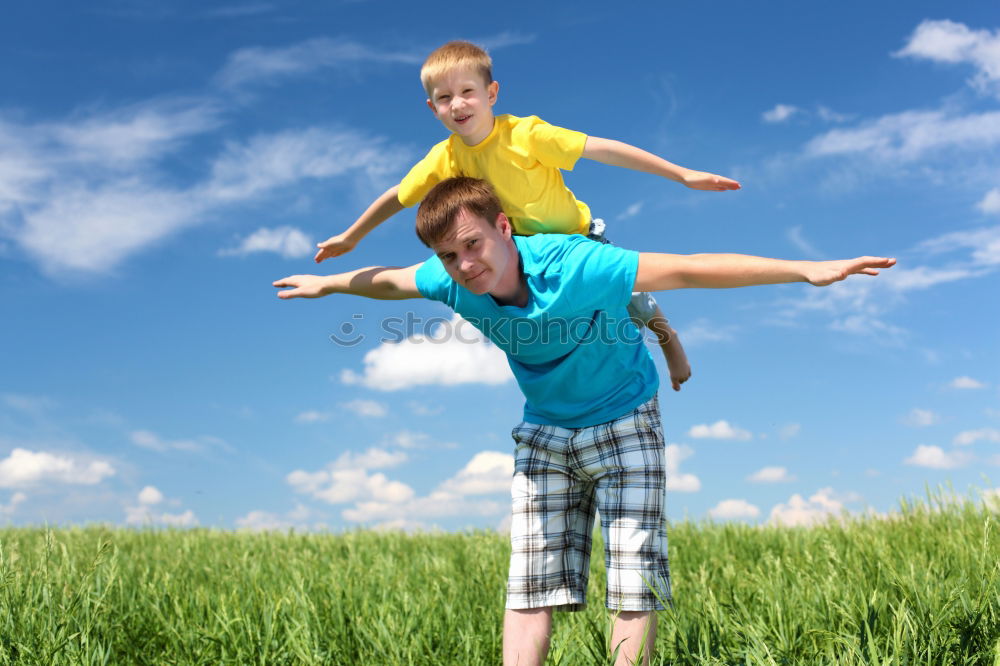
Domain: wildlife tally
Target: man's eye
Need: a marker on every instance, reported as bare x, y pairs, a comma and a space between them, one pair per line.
473, 242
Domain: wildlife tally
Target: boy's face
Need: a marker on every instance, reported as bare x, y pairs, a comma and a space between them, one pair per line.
479, 255
463, 102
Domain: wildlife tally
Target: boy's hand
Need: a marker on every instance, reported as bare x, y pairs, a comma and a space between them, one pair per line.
702, 180
305, 286
822, 273
334, 246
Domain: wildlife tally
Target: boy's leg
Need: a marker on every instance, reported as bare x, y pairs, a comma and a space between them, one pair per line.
526, 636
633, 631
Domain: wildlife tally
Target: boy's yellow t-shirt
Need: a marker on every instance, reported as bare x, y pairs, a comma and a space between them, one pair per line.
521, 158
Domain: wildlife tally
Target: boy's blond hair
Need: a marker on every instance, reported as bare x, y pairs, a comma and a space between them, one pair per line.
455, 55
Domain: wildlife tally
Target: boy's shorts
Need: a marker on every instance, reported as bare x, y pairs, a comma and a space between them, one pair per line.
642, 306
561, 475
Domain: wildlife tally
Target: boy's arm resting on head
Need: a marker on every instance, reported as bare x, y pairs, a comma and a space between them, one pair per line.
658, 272
616, 153
381, 210
376, 282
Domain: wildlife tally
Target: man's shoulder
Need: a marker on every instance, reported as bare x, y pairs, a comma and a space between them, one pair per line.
545, 250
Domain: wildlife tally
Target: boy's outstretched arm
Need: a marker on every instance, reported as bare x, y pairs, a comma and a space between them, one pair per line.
616, 153
381, 210
375, 282
722, 271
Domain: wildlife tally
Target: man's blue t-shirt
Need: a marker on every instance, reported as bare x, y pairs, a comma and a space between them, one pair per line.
577, 356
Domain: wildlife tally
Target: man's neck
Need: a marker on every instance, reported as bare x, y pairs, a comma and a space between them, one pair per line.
513, 290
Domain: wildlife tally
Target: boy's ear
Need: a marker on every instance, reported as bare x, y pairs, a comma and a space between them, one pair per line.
491, 92
430, 105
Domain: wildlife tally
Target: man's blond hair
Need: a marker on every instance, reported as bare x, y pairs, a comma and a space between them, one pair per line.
456, 55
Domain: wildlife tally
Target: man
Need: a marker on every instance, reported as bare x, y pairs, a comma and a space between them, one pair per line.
591, 437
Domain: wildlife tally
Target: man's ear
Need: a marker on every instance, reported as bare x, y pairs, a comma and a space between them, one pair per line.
492, 91
504, 226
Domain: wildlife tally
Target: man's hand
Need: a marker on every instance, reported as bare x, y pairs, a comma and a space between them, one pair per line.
305, 286
822, 273
702, 180
334, 246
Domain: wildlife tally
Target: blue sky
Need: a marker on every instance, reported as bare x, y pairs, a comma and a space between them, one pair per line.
162, 163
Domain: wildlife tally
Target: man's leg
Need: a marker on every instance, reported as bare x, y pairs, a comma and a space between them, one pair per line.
526, 636
633, 630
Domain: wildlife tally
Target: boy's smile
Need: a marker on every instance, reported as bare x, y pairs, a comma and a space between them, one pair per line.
463, 103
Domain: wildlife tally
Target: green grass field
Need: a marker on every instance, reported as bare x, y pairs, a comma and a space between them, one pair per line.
921, 588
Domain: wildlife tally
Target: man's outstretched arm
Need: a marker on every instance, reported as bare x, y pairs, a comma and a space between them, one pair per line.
375, 282
658, 272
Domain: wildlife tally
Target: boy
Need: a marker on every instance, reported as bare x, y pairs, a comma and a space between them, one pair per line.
521, 158
591, 437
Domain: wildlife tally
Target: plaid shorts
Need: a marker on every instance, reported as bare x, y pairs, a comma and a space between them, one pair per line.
561, 475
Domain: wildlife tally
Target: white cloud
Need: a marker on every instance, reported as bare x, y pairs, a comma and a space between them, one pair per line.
796, 238
990, 202
829, 115
488, 472
950, 42
24, 468
921, 418
701, 331
937, 458
820, 507
369, 408
733, 508
409, 440
312, 416
780, 113
771, 475
983, 245
967, 437
719, 430
676, 481
347, 479
267, 65
789, 430
373, 458
289, 242
910, 135
451, 354
28, 404
437, 504
631, 211
375, 498
152, 441
84, 195
150, 495
966, 382
10, 507
261, 521
143, 515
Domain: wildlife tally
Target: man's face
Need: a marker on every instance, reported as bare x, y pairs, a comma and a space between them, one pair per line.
463, 102
478, 255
